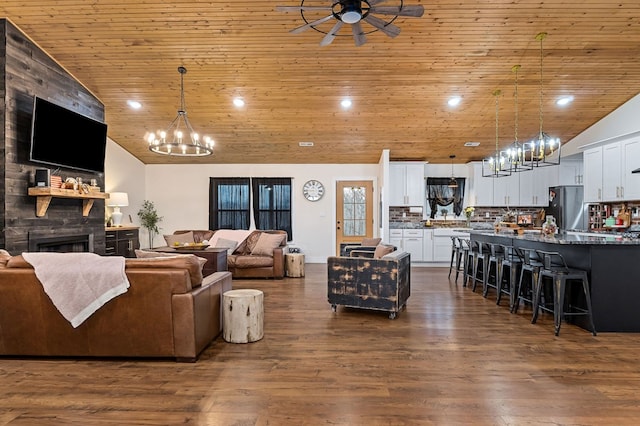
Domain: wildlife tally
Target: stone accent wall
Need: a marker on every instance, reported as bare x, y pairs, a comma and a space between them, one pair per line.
27, 71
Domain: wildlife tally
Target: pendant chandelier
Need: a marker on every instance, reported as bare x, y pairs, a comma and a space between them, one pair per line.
497, 165
453, 183
517, 153
179, 138
545, 150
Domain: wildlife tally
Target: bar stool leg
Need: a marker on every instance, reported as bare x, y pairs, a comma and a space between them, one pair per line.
537, 293
559, 285
587, 294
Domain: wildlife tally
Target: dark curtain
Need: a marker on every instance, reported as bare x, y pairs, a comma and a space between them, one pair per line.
272, 204
439, 194
229, 203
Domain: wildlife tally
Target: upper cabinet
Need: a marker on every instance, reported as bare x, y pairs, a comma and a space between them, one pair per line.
506, 190
607, 172
481, 188
407, 184
534, 186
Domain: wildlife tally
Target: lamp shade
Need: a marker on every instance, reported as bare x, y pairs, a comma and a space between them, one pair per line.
118, 199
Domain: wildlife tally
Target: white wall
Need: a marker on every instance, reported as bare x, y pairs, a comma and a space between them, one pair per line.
181, 196
620, 123
125, 173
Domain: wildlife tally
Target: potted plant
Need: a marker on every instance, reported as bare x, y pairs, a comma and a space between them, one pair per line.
149, 219
444, 212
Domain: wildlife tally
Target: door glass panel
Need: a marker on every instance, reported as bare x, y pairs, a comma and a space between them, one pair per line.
354, 211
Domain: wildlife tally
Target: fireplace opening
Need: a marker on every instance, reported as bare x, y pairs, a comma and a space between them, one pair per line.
62, 243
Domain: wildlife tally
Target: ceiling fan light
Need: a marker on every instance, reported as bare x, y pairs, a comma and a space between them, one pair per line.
351, 16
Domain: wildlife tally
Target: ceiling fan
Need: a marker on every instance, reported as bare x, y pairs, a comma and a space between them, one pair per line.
353, 12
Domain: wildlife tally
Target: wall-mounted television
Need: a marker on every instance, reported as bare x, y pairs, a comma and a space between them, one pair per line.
64, 138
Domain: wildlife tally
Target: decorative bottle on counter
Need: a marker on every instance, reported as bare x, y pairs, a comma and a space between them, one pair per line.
549, 228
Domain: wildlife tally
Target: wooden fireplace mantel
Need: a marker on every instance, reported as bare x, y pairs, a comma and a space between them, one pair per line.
46, 194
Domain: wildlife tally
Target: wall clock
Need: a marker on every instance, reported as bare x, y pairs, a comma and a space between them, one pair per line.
313, 190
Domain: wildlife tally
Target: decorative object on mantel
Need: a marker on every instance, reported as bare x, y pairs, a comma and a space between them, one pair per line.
117, 200
178, 143
149, 219
496, 166
545, 150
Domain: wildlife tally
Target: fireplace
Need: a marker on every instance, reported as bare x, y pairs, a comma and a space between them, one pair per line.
61, 243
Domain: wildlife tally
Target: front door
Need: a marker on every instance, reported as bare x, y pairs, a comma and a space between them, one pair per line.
354, 212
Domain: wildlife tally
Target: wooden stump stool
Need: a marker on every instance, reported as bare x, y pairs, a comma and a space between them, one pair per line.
243, 316
294, 264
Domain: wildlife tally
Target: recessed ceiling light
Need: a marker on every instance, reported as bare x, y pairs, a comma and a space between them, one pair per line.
565, 100
346, 103
472, 144
134, 104
305, 143
454, 101
239, 102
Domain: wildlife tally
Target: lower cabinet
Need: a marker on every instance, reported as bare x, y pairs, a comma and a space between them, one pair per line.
121, 241
409, 240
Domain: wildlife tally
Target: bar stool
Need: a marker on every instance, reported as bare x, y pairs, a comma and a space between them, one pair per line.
465, 248
480, 260
494, 263
513, 264
530, 265
455, 255
555, 267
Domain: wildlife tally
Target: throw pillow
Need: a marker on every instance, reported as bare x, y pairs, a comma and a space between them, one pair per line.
381, 250
266, 243
251, 241
180, 239
4, 257
370, 242
230, 245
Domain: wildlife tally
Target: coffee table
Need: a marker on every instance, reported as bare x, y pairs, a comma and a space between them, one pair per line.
216, 257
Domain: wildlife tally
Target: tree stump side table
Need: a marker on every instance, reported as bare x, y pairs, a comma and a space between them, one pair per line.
294, 265
242, 316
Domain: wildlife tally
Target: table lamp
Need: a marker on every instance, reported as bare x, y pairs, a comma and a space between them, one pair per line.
117, 200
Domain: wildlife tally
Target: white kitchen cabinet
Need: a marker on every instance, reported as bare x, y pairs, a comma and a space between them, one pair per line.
427, 245
409, 240
407, 187
631, 161
481, 188
442, 243
534, 186
570, 173
593, 175
611, 174
506, 190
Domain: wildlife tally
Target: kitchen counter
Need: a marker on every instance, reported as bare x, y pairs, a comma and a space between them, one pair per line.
612, 264
568, 238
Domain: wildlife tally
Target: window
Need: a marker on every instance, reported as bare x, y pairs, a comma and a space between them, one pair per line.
231, 203
440, 194
272, 204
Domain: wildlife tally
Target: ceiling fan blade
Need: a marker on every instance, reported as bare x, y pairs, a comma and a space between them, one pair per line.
326, 40
299, 8
416, 11
358, 35
374, 2
389, 29
310, 24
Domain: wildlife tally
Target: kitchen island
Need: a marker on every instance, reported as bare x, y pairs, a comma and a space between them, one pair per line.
612, 263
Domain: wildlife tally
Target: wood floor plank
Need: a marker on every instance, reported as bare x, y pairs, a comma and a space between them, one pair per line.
452, 357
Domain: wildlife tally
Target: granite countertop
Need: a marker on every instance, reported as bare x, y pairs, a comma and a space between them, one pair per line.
563, 238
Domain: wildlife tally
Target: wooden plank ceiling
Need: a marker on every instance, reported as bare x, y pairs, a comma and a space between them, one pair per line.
399, 86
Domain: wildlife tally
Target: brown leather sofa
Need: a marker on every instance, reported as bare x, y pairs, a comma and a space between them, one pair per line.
168, 311
242, 263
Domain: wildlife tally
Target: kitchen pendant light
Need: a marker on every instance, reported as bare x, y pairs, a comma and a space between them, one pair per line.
497, 165
544, 149
517, 153
179, 138
453, 183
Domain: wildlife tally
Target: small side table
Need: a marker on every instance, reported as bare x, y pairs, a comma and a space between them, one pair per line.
294, 265
242, 315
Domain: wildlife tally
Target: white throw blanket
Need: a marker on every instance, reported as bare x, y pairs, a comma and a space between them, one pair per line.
79, 283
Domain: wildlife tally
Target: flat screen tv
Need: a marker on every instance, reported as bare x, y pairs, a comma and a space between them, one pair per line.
64, 138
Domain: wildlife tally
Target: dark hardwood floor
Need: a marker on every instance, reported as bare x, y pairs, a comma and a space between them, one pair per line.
452, 358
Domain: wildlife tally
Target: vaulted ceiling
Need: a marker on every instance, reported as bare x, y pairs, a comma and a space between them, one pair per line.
130, 50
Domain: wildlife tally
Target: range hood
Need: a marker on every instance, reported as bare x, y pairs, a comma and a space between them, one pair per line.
636, 170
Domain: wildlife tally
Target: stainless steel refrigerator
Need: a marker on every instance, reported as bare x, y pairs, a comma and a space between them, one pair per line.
566, 205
